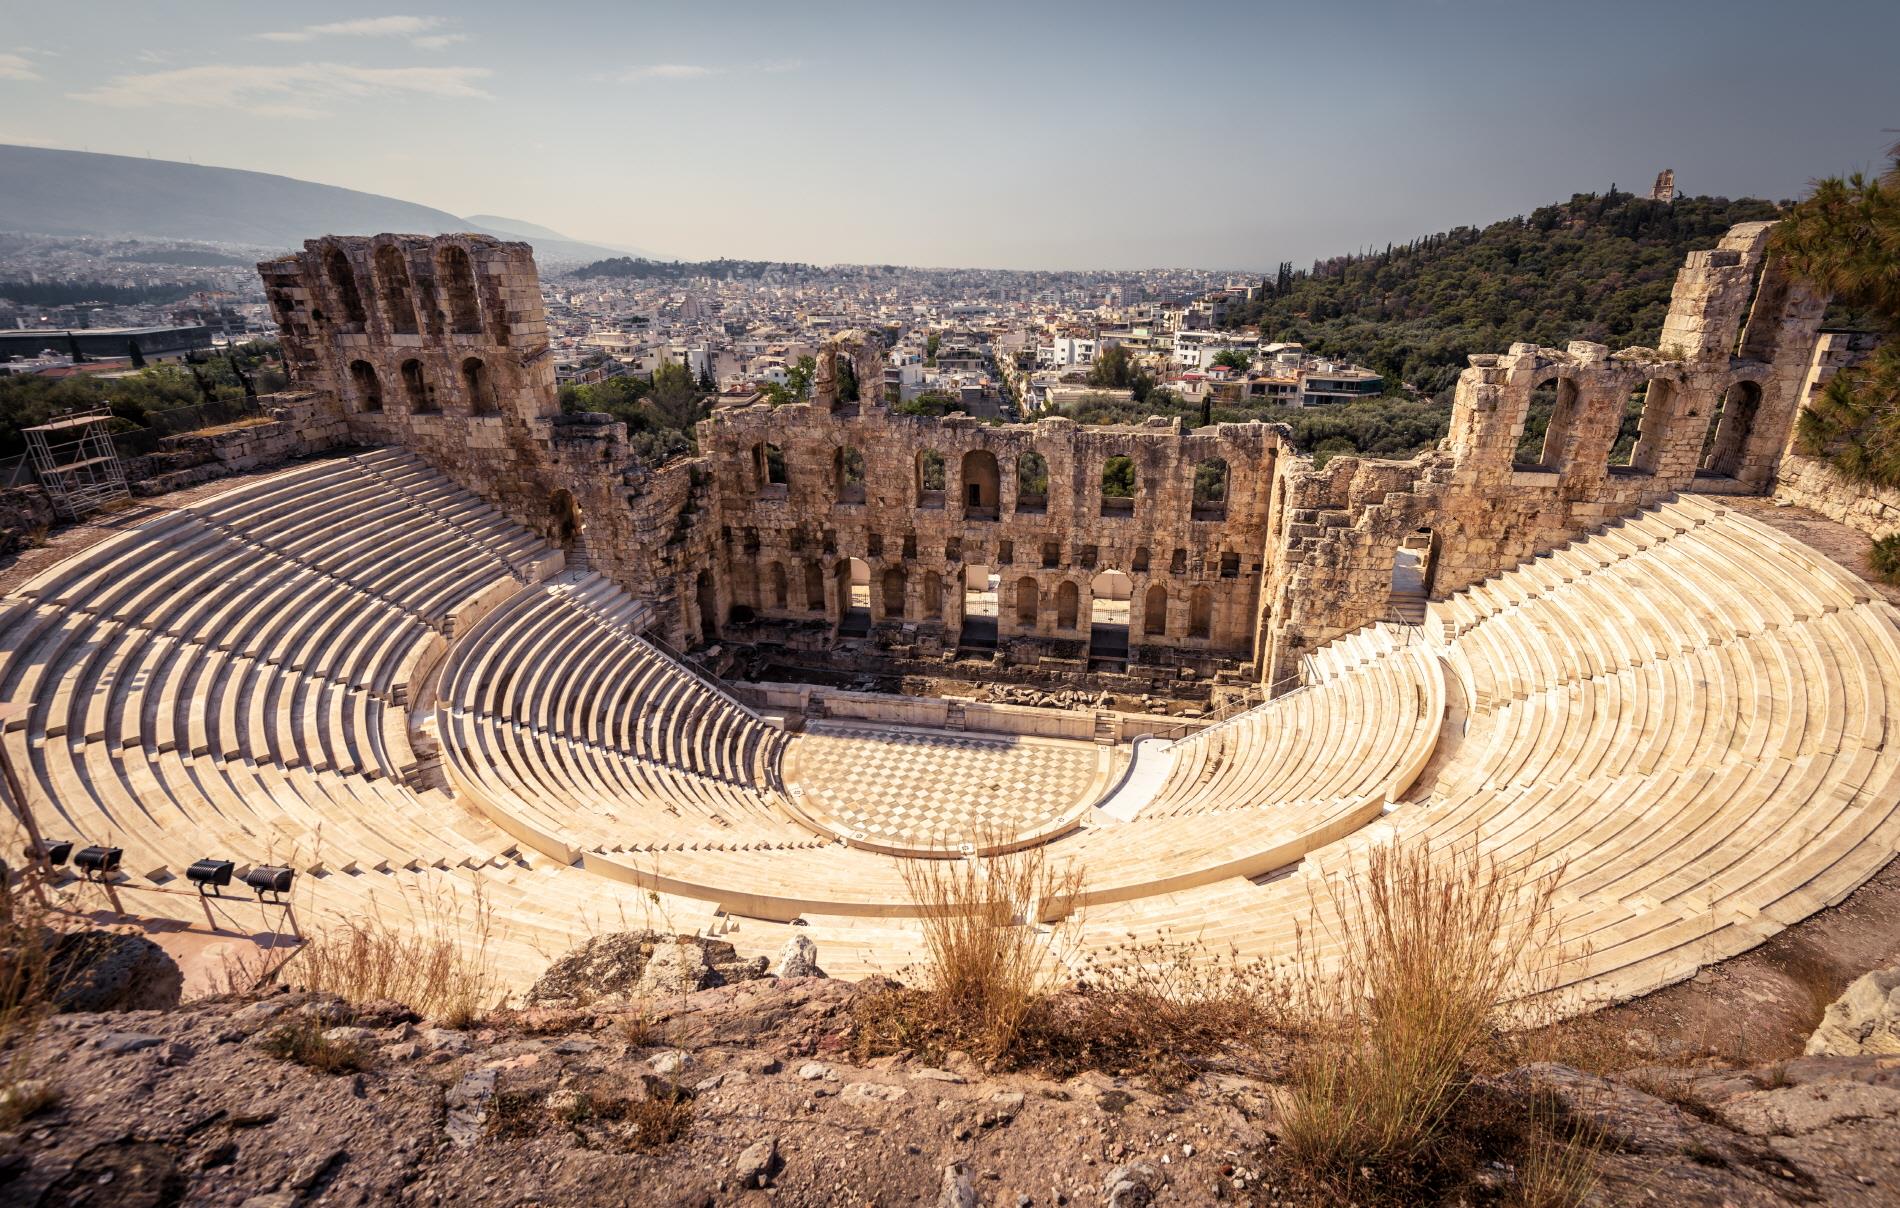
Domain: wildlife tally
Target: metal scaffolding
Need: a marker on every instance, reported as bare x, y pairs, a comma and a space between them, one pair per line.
77, 463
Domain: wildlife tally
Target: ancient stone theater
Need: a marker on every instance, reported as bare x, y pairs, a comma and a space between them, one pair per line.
442, 643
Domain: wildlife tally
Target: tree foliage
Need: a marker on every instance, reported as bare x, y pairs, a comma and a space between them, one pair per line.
660, 411
1845, 239
1598, 267
797, 387
27, 400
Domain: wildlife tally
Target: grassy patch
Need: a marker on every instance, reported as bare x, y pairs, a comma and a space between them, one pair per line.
303, 1041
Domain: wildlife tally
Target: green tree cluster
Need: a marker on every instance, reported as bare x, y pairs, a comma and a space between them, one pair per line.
244, 371
1597, 267
1845, 238
660, 411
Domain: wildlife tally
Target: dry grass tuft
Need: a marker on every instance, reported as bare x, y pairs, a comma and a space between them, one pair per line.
303, 1041
987, 955
435, 960
26, 995
1442, 942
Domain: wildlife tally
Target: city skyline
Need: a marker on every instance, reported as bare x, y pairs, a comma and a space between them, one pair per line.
1061, 137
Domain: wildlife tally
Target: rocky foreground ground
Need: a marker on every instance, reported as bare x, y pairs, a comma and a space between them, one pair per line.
746, 1093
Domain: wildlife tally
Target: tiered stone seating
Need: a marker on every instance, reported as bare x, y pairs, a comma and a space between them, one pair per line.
1688, 713
575, 734
228, 679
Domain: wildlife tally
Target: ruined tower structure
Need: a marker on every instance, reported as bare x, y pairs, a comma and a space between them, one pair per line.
837, 521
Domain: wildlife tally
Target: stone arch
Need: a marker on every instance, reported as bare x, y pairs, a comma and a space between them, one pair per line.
891, 585
368, 386
982, 482
1201, 613
1028, 595
1210, 489
349, 299
1554, 409
1154, 611
708, 601
1118, 485
1032, 482
1068, 604
480, 385
847, 474
566, 522
933, 596
416, 390
930, 476
1654, 403
776, 578
1725, 440
393, 285
458, 279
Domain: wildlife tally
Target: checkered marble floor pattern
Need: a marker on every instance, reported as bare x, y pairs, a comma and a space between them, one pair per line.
919, 788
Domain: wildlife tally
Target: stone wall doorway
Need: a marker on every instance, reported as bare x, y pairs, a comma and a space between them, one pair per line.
1110, 595
980, 588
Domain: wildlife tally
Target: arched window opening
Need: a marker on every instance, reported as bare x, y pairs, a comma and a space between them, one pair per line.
1068, 604
1553, 413
1177, 562
1725, 441
933, 596
1154, 611
768, 472
416, 389
1654, 404
349, 299
1027, 602
1118, 486
1032, 483
368, 387
1411, 575
1111, 593
458, 276
847, 468
930, 479
981, 484
1201, 613
892, 592
1140, 563
1210, 490
480, 385
392, 282
814, 587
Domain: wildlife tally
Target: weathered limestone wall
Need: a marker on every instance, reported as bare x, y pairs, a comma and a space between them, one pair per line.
1810, 482
1718, 400
787, 545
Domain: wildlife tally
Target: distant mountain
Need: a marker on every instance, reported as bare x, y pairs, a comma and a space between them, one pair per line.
52, 192
677, 270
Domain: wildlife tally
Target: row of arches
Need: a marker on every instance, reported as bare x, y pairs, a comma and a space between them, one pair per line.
980, 481
395, 290
1552, 425
418, 393
802, 587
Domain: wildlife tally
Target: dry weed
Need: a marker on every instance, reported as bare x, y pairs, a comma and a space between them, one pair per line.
26, 994
434, 959
303, 1041
1399, 1007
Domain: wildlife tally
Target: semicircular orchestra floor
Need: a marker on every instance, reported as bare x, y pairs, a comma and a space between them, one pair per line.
927, 792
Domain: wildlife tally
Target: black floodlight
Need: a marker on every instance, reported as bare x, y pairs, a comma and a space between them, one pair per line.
210, 875
51, 852
97, 863
270, 882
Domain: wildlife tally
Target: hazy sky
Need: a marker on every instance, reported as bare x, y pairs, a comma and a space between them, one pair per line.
971, 133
